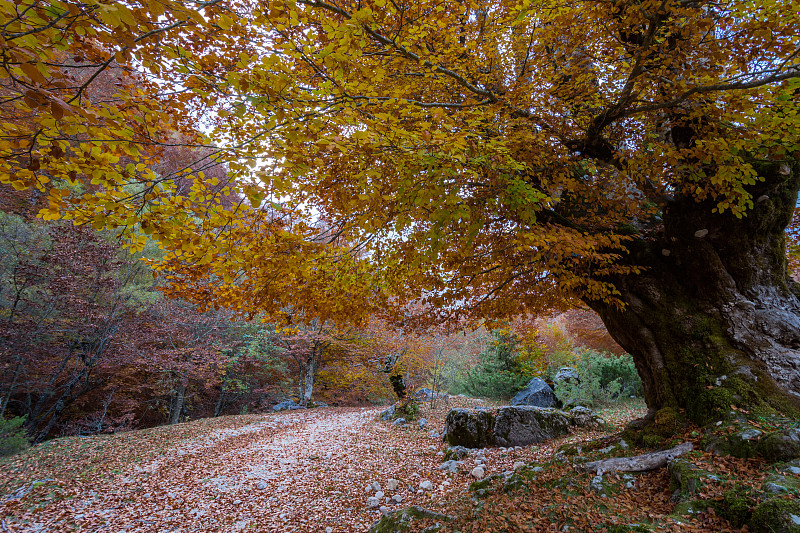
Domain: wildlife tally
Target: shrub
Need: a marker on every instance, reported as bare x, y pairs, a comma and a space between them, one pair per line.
604, 379
501, 371
12, 436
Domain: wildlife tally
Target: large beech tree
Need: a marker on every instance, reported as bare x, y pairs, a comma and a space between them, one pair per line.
481, 157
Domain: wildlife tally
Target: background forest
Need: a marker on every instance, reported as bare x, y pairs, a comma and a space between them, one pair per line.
91, 345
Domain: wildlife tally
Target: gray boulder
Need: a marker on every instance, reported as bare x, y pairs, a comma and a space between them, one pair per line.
424, 394
422, 423
567, 373
537, 394
388, 413
467, 428
286, 405
518, 425
584, 417
524, 425
399, 421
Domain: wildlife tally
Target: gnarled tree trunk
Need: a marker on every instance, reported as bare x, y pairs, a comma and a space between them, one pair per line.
714, 320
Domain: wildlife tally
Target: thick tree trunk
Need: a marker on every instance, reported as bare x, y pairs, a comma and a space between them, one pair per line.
714, 319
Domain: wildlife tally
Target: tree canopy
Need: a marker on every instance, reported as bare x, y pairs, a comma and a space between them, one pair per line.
480, 157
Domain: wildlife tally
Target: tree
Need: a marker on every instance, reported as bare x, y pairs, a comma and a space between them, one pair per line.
488, 158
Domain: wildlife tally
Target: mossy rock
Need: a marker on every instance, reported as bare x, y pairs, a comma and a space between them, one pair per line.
484, 487
690, 508
651, 433
743, 443
780, 446
776, 516
685, 478
455, 453
628, 528
402, 520
736, 505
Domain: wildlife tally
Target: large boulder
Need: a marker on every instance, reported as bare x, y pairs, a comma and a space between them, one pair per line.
471, 429
568, 374
388, 413
537, 394
518, 425
524, 425
286, 404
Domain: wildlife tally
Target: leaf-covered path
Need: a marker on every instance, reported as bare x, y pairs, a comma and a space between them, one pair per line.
303, 471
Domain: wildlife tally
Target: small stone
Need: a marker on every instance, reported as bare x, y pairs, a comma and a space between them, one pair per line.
379, 494
373, 502
795, 519
451, 466
518, 465
665, 252
623, 444
793, 470
376, 486
440, 453
701, 233
261, 485
478, 472
237, 502
392, 484
433, 435
397, 498
422, 423
384, 509
329, 529
425, 485
775, 488
537, 469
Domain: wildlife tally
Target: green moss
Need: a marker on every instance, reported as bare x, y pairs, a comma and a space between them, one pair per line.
736, 506
684, 478
690, 508
783, 445
627, 528
776, 516
402, 520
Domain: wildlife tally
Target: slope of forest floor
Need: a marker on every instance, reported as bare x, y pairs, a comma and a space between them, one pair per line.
310, 471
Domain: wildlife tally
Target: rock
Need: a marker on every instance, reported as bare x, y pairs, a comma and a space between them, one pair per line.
261, 485
537, 393
793, 470
425, 485
387, 414
433, 435
456, 452
468, 428
568, 374
373, 502
774, 488
399, 422
329, 529
384, 509
379, 494
392, 484
518, 465
783, 445
584, 417
424, 394
376, 487
286, 405
397, 498
451, 466
478, 472
403, 520
422, 423
523, 425
776, 516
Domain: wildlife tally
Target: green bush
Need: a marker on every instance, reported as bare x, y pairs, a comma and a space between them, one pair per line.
12, 436
499, 375
605, 378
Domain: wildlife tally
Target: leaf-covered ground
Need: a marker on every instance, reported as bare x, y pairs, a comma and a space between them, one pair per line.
298, 471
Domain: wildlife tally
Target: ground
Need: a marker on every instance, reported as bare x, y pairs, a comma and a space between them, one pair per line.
304, 471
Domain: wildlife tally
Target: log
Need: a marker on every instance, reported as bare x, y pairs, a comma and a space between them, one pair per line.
638, 463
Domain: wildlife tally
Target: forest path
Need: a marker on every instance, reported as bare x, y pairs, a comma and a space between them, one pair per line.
294, 471
304, 470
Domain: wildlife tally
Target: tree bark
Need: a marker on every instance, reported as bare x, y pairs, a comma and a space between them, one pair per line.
713, 321
307, 379
178, 403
